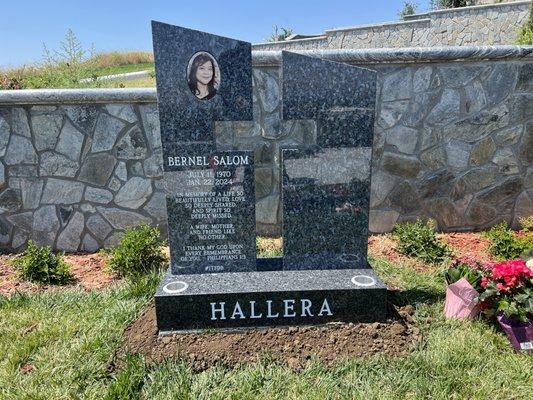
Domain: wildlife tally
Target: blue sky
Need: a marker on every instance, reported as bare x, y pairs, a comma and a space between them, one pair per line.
125, 24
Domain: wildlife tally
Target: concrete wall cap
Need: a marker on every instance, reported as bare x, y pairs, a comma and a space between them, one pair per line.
513, 4
380, 25
273, 58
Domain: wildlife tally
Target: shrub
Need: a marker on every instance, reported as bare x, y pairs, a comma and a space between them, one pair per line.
39, 264
506, 244
526, 223
439, 4
418, 239
279, 34
139, 252
525, 34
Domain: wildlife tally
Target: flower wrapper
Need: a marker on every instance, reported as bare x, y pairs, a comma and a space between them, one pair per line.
461, 300
520, 334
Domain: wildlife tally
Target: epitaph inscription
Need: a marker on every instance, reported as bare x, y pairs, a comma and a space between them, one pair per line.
209, 213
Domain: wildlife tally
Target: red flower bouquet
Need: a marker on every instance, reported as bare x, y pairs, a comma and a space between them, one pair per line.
508, 292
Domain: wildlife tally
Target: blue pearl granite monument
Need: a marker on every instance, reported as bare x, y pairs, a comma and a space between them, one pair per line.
215, 280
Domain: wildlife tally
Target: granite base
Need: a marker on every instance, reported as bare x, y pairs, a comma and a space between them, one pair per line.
268, 297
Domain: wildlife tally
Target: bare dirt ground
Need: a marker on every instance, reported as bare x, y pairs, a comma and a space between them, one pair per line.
89, 272
291, 345
466, 244
463, 244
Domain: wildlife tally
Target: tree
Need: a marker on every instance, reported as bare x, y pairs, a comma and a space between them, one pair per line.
408, 9
70, 51
438, 4
280, 34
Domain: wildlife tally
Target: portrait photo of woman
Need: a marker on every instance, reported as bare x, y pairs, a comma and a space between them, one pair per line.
203, 75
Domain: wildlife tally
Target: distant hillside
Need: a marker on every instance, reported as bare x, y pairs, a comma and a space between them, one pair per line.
64, 74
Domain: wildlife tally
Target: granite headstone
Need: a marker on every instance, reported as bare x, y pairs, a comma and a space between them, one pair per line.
215, 280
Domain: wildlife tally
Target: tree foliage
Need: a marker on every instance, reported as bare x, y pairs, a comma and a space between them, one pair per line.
409, 8
438, 4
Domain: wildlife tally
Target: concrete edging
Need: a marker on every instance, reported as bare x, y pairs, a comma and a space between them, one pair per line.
128, 76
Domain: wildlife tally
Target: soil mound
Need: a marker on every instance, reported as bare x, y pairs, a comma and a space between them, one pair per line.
291, 345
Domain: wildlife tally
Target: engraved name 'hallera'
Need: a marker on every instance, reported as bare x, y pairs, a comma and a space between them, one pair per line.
289, 308
204, 161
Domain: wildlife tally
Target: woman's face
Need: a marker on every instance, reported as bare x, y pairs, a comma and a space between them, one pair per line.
204, 73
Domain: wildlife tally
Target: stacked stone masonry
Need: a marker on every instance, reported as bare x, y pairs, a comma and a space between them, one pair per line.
490, 24
453, 141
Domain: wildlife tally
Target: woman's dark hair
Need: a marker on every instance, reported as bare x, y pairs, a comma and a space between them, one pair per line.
201, 59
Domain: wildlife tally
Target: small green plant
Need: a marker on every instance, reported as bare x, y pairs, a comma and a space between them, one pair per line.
525, 34
506, 244
468, 268
39, 264
139, 252
418, 239
409, 8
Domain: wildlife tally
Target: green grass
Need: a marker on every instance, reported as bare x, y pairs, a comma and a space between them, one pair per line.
76, 333
267, 247
69, 338
136, 83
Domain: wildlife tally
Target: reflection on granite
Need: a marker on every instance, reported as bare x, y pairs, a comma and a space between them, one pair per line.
347, 127
326, 186
325, 209
312, 85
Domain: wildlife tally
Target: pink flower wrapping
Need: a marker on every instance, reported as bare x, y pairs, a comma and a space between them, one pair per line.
461, 300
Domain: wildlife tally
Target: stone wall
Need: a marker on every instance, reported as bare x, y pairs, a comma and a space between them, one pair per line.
491, 24
453, 141
75, 175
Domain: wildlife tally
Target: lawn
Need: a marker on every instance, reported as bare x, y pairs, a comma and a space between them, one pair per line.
59, 344
135, 83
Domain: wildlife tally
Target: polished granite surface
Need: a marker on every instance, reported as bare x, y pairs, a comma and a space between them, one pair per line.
326, 186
